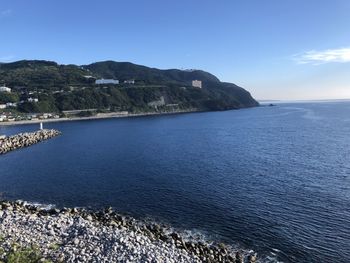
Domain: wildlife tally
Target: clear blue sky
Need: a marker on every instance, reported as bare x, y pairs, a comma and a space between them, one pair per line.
290, 49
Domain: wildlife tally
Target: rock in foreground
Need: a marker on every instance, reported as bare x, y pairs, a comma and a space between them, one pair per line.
78, 235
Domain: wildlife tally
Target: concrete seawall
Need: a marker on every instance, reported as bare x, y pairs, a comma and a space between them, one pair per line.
22, 140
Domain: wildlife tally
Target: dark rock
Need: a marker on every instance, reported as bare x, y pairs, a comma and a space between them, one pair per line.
175, 236
239, 258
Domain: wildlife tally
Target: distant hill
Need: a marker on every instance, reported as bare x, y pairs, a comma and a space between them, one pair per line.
69, 87
127, 70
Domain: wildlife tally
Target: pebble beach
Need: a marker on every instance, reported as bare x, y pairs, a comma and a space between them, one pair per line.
79, 235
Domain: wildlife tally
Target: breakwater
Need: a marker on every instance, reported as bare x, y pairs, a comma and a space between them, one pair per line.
22, 140
81, 235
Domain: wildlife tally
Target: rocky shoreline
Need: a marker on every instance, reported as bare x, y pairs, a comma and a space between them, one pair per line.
22, 140
81, 235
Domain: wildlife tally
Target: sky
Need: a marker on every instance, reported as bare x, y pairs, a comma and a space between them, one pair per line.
290, 49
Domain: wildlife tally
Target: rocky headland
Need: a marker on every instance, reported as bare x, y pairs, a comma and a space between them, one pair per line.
22, 140
81, 235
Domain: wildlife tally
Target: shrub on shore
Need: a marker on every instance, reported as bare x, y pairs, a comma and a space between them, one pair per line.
23, 255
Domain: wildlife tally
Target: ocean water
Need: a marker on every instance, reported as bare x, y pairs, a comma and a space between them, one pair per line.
272, 179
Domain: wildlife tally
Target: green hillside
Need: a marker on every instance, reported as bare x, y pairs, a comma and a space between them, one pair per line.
71, 87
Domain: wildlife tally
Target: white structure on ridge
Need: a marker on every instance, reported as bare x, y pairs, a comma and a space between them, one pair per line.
197, 83
106, 81
33, 100
5, 89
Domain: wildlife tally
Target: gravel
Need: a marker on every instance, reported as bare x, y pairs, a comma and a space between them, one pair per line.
78, 235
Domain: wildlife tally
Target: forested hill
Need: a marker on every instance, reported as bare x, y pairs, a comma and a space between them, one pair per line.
68, 87
127, 70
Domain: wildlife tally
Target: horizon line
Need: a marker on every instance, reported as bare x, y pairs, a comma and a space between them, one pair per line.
301, 100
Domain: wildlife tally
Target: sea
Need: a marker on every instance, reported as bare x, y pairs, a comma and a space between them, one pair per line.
274, 180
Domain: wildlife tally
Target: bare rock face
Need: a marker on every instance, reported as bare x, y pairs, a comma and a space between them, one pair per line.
22, 140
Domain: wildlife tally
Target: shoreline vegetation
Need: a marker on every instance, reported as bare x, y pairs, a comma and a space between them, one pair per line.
81, 235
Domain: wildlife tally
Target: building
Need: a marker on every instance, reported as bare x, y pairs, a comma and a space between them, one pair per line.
106, 81
33, 100
10, 104
3, 118
130, 81
45, 116
75, 112
3, 106
197, 83
5, 89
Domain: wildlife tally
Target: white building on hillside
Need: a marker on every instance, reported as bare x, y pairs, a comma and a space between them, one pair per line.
106, 81
33, 100
5, 89
11, 105
197, 83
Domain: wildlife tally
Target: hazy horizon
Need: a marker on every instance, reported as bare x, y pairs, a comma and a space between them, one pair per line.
290, 50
